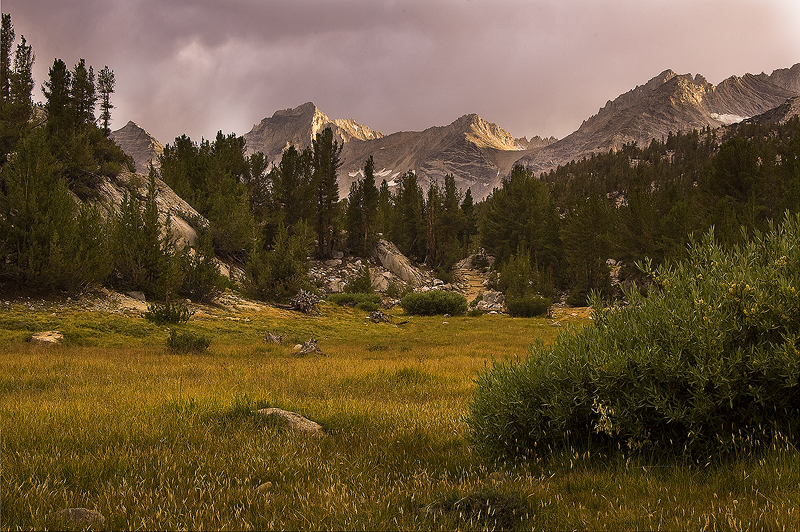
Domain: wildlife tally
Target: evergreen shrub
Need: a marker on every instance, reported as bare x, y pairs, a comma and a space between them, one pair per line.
187, 342
168, 313
528, 306
361, 283
434, 302
353, 300
707, 366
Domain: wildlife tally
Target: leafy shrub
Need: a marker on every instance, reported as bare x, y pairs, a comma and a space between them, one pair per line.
528, 306
367, 306
168, 313
187, 342
396, 290
474, 313
434, 302
353, 300
707, 366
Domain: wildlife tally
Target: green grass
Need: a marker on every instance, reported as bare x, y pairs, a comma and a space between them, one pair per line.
114, 422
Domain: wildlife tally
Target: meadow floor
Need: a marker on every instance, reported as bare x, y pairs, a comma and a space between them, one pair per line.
112, 421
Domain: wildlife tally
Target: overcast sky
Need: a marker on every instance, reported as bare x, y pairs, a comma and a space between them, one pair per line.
534, 67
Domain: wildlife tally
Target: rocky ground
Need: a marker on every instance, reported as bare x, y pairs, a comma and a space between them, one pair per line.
470, 279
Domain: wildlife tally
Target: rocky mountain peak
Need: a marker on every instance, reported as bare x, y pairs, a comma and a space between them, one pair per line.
669, 102
485, 134
297, 127
139, 144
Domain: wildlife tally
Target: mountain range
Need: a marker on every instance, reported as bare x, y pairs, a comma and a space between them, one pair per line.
479, 154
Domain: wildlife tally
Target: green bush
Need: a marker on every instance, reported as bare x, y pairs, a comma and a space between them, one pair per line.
168, 313
434, 302
353, 300
707, 366
187, 342
528, 306
367, 306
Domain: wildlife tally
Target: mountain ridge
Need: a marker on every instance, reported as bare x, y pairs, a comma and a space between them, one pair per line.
479, 153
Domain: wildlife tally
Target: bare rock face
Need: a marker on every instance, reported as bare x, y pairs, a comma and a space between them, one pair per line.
185, 222
139, 144
473, 150
297, 127
397, 263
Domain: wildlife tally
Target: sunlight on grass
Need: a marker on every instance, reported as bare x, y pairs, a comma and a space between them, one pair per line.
112, 421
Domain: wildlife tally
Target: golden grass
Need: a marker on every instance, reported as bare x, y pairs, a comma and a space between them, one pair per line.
113, 422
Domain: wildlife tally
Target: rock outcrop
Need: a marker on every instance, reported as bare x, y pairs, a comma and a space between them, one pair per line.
185, 222
390, 258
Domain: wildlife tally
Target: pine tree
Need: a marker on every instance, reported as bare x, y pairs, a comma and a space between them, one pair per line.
326, 164
354, 219
16, 86
6, 44
470, 223
57, 91
370, 202
105, 86
83, 95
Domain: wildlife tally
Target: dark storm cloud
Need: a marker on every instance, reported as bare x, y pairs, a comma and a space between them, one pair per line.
533, 67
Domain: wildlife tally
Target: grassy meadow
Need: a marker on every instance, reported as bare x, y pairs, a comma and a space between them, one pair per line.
113, 421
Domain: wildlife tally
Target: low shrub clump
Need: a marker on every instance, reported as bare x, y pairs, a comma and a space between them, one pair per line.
187, 342
434, 302
705, 367
528, 307
355, 299
168, 313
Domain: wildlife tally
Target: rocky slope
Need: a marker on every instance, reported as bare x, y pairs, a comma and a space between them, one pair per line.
669, 102
139, 144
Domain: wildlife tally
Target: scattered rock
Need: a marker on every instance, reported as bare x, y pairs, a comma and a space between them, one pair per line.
138, 296
78, 518
296, 422
47, 338
265, 487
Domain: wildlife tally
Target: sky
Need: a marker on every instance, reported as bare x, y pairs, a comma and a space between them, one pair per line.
533, 67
